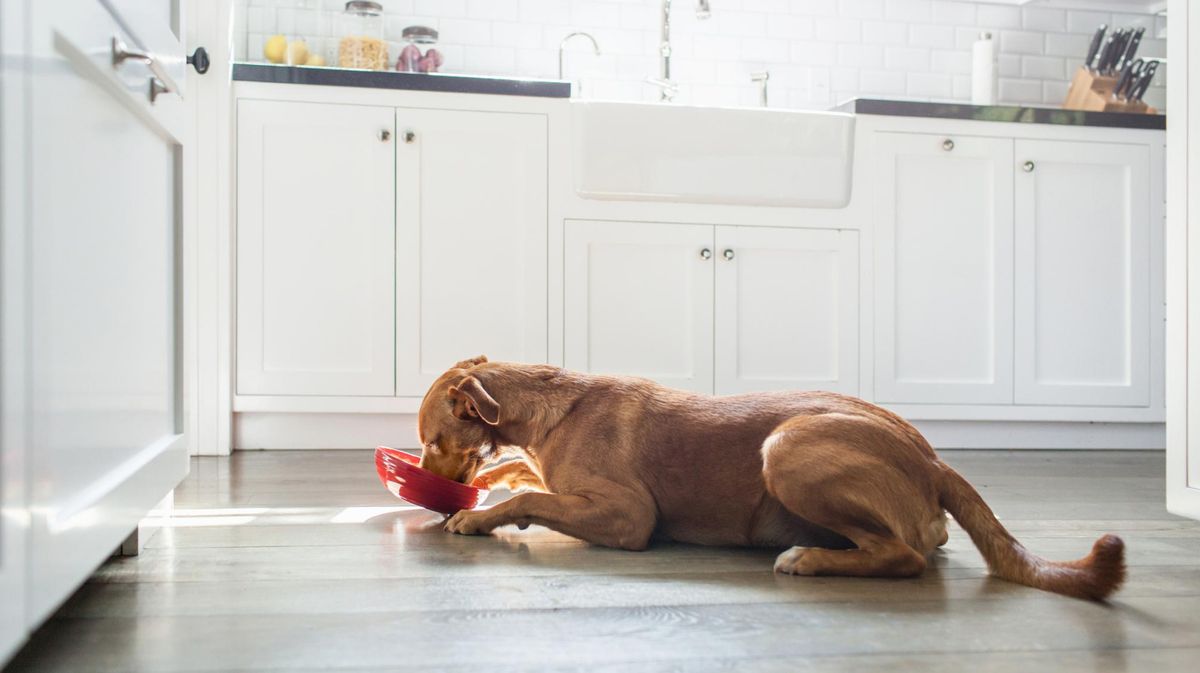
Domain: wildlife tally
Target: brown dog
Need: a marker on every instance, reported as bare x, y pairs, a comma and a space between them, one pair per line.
850, 488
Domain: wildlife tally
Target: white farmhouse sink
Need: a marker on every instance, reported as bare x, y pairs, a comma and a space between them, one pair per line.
663, 152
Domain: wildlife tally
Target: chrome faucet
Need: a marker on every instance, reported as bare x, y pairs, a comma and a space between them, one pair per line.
667, 88
761, 78
563, 45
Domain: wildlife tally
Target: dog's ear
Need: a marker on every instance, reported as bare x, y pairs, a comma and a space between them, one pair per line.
470, 362
472, 401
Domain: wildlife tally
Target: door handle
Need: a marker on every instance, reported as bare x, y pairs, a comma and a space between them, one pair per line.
161, 82
199, 60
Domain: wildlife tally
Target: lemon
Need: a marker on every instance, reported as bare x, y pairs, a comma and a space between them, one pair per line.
315, 60
297, 53
274, 48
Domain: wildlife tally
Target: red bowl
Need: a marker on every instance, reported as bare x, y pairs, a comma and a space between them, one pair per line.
402, 476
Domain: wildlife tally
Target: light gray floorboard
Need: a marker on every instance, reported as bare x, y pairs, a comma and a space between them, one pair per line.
301, 561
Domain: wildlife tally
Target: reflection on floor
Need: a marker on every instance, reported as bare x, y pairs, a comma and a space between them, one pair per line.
302, 561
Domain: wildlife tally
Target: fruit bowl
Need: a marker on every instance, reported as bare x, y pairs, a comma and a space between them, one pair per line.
401, 474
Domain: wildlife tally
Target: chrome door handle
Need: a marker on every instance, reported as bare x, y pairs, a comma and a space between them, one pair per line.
161, 82
705, 253
947, 144
728, 254
1028, 166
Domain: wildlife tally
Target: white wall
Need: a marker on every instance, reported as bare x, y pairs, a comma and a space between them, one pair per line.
818, 51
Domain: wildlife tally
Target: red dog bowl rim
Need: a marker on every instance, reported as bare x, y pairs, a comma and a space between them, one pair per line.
422, 487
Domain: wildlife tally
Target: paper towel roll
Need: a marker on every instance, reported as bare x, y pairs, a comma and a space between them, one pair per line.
983, 71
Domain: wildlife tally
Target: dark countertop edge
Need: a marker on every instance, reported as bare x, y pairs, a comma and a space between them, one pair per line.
411, 81
1003, 113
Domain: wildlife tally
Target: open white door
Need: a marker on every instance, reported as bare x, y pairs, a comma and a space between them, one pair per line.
1183, 263
14, 519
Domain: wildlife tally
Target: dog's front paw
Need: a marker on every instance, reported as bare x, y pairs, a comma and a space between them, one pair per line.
466, 522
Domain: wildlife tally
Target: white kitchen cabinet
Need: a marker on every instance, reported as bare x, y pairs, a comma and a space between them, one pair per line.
471, 205
638, 300
14, 456
786, 309
944, 267
102, 363
315, 249
1082, 297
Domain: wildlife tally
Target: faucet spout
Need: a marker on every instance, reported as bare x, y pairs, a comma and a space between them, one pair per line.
562, 45
666, 86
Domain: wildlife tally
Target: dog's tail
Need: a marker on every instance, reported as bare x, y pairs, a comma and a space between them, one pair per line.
1094, 577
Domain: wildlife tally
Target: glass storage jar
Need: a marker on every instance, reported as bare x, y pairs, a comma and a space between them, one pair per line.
360, 31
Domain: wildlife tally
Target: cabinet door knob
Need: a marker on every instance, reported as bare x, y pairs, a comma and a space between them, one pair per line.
385, 135
728, 254
705, 253
947, 144
1028, 166
409, 137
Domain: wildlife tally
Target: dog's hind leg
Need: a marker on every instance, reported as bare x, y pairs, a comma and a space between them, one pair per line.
830, 471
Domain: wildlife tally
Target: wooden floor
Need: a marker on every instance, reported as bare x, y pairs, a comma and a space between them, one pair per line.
302, 561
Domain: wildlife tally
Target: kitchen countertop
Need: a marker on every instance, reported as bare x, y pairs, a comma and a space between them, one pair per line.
1002, 113
386, 79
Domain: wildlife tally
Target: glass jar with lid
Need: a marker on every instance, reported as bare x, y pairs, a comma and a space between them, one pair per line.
360, 30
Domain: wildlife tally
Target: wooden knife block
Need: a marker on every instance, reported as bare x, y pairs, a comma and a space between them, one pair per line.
1094, 93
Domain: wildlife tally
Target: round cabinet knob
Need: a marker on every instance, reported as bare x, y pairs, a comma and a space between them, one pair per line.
385, 135
706, 254
409, 137
947, 144
1028, 166
728, 254
199, 60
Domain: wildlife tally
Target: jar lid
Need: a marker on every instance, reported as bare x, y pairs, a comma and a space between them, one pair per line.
420, 34
364, 7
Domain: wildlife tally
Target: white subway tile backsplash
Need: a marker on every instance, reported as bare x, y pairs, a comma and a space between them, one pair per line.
908, 59
543, 11
909, 10
860, 55
930, 85
814, 53
953, 62
1044, 19
954, 13
941, 37
1008, 65
790, 26
817, 51
1054, 93
839, 30
448, 8
1022, 42
503, 10
884, 32
1087, 22
995, 17
465, 31
1043, 67
594, 13
1020, 90
1066, 44
861, 9
881, 83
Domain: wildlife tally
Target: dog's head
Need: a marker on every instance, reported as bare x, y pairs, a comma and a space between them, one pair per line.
455, 424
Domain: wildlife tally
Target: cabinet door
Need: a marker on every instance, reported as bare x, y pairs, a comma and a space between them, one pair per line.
944, 260
786, 310
1083, 294
103, 263
14, 512
471, 220
639, 301
315, 249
